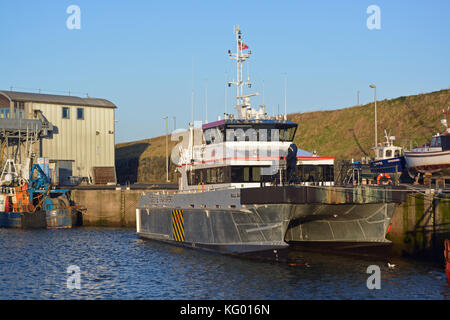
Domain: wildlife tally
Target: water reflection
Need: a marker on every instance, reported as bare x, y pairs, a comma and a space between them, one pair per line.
116, 264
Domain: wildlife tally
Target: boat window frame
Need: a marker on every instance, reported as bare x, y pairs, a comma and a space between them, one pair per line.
436, 142
260, 132
254, 174
213, 135
225, 174
315, 172
388, 153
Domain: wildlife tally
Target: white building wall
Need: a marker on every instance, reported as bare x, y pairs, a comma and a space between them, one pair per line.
89, 142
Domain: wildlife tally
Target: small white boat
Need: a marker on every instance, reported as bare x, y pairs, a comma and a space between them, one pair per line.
433, 157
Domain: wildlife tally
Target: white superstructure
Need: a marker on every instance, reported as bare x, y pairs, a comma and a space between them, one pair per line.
249, 150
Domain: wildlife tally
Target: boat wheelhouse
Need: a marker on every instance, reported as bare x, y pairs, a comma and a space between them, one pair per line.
388, 157
237, 153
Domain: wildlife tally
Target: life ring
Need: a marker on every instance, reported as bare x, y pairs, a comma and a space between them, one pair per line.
386, 179
30, 207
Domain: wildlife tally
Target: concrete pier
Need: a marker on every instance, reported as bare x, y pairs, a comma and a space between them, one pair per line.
108, 208
421, 224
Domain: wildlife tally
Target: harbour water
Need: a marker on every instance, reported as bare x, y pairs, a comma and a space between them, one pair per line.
116, 264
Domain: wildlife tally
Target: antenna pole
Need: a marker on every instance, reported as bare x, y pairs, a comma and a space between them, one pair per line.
446, 119
375, 102
206, 100
226, 93
192, 94
285, 101
167, 148
263, 91
192, 106
238, 66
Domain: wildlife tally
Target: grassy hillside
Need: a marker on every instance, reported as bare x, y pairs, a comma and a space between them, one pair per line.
144, 161
344, 133
349, 133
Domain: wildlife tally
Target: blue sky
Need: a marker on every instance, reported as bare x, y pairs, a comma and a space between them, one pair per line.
141, 55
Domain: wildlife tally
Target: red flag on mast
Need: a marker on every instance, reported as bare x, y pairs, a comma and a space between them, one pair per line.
242, 45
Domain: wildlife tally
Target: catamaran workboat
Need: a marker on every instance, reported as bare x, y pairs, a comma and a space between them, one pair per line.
240, 191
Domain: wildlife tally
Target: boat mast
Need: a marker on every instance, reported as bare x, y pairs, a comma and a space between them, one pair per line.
242, 101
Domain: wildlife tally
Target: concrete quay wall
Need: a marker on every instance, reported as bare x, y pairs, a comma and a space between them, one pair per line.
108, 208
420, 225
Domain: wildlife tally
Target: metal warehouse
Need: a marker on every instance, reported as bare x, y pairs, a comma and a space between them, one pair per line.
81, 145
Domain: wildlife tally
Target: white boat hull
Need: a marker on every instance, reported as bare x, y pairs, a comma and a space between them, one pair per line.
428, 161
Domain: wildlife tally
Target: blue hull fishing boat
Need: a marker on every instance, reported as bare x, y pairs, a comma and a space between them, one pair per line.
389, 161
391, 165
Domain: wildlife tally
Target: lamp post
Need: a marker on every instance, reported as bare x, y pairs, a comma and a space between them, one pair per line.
167, 149
375, 100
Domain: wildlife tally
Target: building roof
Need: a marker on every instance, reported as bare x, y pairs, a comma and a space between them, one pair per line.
56, 99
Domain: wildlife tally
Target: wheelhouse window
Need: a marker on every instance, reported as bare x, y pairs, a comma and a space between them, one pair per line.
213, 135
287, 134
388, 153
80, 113
316, 173
65, 113
245, 174
256, 174
255, 133
233, 174
436, 142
